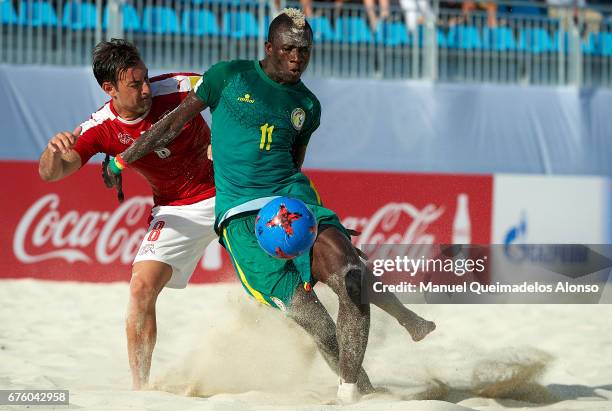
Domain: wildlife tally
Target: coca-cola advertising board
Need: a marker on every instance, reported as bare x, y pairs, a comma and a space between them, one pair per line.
409, 208
76, 230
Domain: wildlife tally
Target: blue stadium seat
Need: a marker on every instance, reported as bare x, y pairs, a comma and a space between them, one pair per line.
131, 21
240, 24
498, 39
591, 45
352, 30
464, 37
441, 38
79, 16
8, 13
535, 40
392, 33
322, 29
37, 13
159, 20
200, 23
228, 3
597, 44
605, 43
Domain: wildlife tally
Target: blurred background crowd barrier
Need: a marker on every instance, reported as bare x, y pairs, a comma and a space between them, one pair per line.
527, 42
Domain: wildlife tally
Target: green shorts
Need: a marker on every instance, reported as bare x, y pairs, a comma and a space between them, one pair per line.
272, 281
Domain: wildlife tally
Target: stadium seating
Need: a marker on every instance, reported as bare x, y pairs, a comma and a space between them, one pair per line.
352, 30
159, 20
240, 24
322, 29
131, 21
79, 16
37, 13
392, 34
8, 13
498, 39
464, 37
199, 23
605, 44
535, 40
598, 44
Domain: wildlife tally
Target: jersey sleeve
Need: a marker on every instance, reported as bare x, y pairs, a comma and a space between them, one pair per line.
88, 144
312, 125
211, 84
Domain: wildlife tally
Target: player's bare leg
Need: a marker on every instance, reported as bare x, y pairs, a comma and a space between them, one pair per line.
336, 263
417, 327
307, 311
148, 279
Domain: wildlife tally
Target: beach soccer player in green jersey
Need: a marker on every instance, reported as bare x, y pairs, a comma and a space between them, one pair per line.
263, 117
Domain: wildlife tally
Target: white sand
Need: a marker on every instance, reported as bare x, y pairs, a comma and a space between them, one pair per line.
219, 350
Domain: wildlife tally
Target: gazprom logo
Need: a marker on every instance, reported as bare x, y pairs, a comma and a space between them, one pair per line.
517, 251
518, 232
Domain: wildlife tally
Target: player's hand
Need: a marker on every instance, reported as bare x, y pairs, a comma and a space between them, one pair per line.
111, 179
209, 152
62, 143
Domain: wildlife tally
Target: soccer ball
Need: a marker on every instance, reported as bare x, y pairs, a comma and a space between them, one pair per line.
285, 228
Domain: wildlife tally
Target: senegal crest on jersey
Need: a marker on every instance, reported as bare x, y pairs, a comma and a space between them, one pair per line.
298, 116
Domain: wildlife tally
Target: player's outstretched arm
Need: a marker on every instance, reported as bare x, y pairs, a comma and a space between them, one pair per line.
165, 130
59, 160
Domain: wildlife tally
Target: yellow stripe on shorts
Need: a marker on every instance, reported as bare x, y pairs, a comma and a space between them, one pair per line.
253, 291
315, 191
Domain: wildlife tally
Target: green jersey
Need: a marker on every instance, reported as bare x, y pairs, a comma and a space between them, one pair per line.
257, 124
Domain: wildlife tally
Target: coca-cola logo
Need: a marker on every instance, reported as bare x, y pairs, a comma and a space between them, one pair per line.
384, 227
396, 223
68, 236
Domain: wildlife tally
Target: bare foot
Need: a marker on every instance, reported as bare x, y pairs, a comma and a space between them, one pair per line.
419, 327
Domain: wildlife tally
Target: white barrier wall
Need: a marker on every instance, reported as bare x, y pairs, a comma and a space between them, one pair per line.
370, 124
551, 209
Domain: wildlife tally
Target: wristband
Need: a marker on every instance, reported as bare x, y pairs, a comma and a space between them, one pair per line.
117, 165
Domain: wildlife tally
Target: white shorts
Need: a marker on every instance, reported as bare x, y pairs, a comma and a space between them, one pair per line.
178, 236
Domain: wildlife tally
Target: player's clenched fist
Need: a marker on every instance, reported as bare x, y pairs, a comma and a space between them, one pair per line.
64, 141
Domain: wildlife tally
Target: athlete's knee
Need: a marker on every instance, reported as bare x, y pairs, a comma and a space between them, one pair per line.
348, 285
142, 292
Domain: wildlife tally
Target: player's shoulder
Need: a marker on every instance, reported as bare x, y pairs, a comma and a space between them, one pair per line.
98, 119
312, 101
173, 83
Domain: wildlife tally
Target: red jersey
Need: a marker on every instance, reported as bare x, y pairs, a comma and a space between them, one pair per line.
180, 173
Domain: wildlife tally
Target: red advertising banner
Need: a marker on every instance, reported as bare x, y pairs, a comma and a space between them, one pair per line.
402, 208
76, 230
